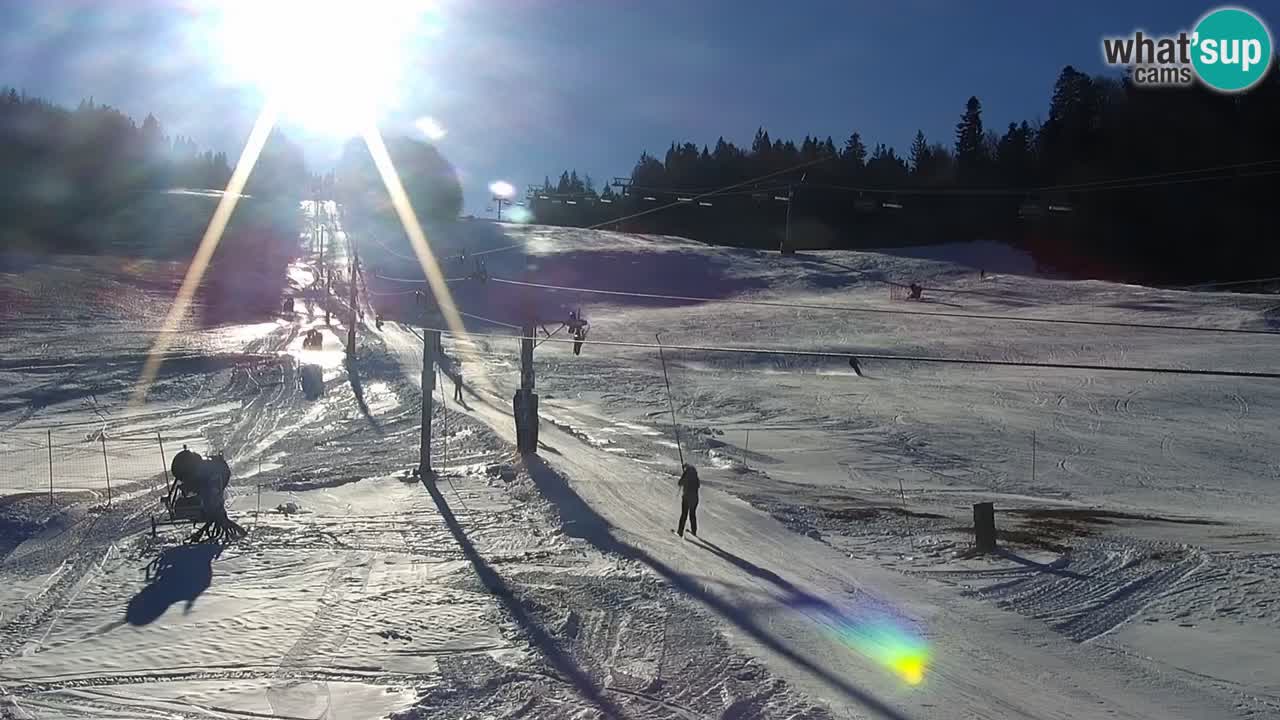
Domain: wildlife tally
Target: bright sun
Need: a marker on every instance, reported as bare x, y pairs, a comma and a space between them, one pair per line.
331, 66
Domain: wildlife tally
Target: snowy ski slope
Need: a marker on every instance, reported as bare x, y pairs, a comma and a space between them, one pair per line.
1136, 577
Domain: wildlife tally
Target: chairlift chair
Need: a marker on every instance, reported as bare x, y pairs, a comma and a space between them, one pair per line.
1030, 210
1060, 204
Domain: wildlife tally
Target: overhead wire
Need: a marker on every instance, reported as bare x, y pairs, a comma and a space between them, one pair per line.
896, 357
418, 281
1125, 183
693, 198
885, 311
1229, 283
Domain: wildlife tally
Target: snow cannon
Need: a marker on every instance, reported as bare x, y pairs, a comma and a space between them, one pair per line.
185, 466
197, 494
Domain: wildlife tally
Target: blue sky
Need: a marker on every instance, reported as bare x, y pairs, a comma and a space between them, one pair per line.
527, 88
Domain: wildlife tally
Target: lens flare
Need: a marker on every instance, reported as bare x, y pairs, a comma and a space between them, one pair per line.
204, 252
879, 634
431, 128
889, 645
403, 207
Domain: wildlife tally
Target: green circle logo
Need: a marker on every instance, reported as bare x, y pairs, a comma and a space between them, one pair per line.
1231, 49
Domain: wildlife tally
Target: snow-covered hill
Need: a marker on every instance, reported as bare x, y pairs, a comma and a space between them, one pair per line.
830, 578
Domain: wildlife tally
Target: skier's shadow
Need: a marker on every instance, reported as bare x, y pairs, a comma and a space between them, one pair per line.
178, 574
581, 521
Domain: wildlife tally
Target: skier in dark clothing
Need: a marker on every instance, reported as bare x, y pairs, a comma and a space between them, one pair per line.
689, 483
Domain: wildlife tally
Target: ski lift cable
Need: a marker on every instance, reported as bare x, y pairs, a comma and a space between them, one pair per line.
374, 293
389, 250
1182, 181
883, 311
1155, 176
712, 193
895, 357
491, 321
416, 282
1228, 283
1098, 186
935, 359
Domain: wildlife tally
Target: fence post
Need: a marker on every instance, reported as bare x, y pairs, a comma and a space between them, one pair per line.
50, 435
164, 462
106, 469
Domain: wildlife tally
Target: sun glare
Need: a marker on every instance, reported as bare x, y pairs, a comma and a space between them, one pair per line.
331, 66
431, 128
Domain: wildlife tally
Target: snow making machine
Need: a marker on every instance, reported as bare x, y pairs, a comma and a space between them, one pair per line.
197, 494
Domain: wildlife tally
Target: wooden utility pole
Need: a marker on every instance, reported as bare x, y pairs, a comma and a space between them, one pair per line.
430, 340
525, 402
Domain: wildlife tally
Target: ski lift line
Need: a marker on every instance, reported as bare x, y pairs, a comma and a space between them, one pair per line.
1154, 176
882, 311
374, 293
488, 320
721, 191
1227, 283
887, 357
1100, 186
1184, 181
389, 250
713, 193
416, 282
1118, 183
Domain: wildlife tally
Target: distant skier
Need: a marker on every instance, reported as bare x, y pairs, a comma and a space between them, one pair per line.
688, 484
578, 329
457, 386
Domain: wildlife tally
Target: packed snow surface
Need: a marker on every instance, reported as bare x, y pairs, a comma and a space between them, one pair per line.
1137, 575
